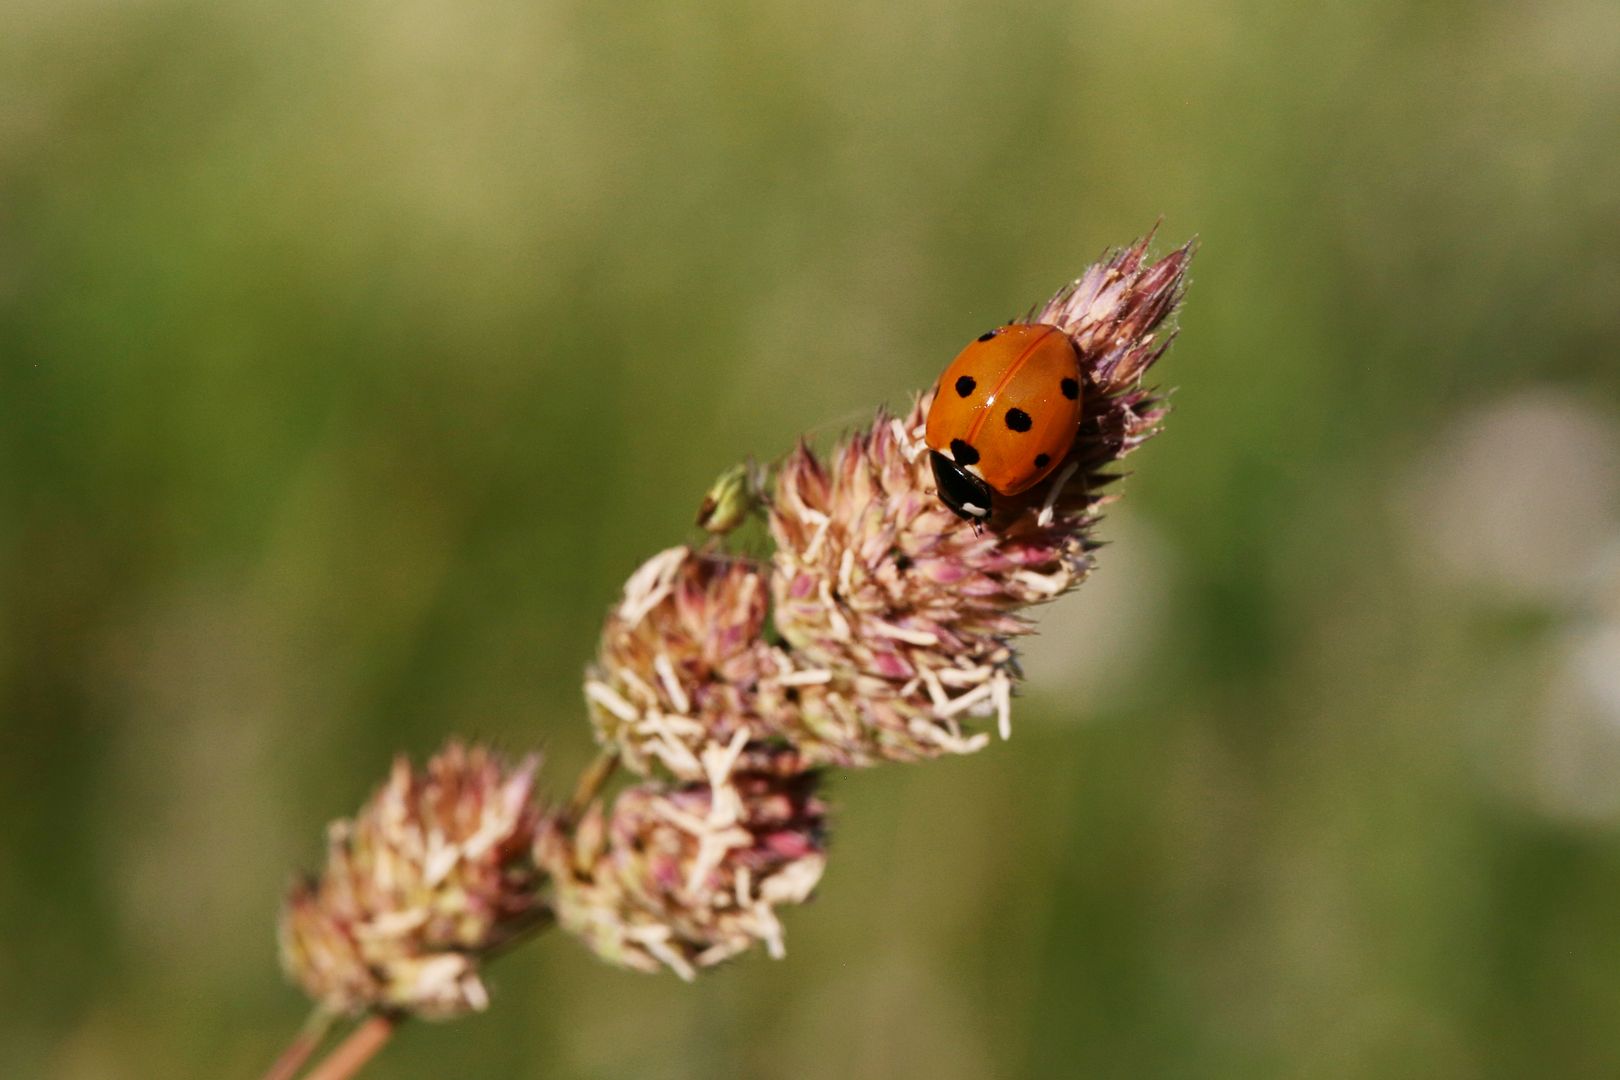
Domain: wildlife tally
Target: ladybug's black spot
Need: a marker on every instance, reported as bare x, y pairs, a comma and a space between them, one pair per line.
965, 385
1071, 389
1042, 460
963, 454
988, 334
1018, 419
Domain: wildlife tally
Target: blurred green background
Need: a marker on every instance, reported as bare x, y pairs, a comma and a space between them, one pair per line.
351, 355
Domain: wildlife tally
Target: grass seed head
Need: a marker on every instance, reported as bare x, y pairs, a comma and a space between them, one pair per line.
687, 876
435, 870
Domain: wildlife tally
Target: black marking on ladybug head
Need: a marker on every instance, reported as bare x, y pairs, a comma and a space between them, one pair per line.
965, 385
1042, 460
1071, 389
964, 453
988, 334
967, 496
1018, 419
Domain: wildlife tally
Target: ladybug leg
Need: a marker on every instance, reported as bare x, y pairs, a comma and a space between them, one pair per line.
1049, 505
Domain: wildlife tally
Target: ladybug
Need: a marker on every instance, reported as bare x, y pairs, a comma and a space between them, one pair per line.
1004, 415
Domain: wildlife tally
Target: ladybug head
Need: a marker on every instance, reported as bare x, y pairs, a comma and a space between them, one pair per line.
966, 495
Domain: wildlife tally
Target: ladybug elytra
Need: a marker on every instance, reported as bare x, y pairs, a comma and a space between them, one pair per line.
1004, 416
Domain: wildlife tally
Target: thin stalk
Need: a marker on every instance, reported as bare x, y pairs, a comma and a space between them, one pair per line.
310, 1036
362, 1044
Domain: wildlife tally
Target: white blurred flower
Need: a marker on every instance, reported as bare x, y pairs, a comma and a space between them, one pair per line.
1575, 755
1520, 498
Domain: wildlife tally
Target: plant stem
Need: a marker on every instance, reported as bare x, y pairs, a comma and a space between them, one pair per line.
360, 1047
304, 1043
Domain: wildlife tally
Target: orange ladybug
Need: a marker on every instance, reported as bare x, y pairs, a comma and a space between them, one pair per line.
1004, 415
